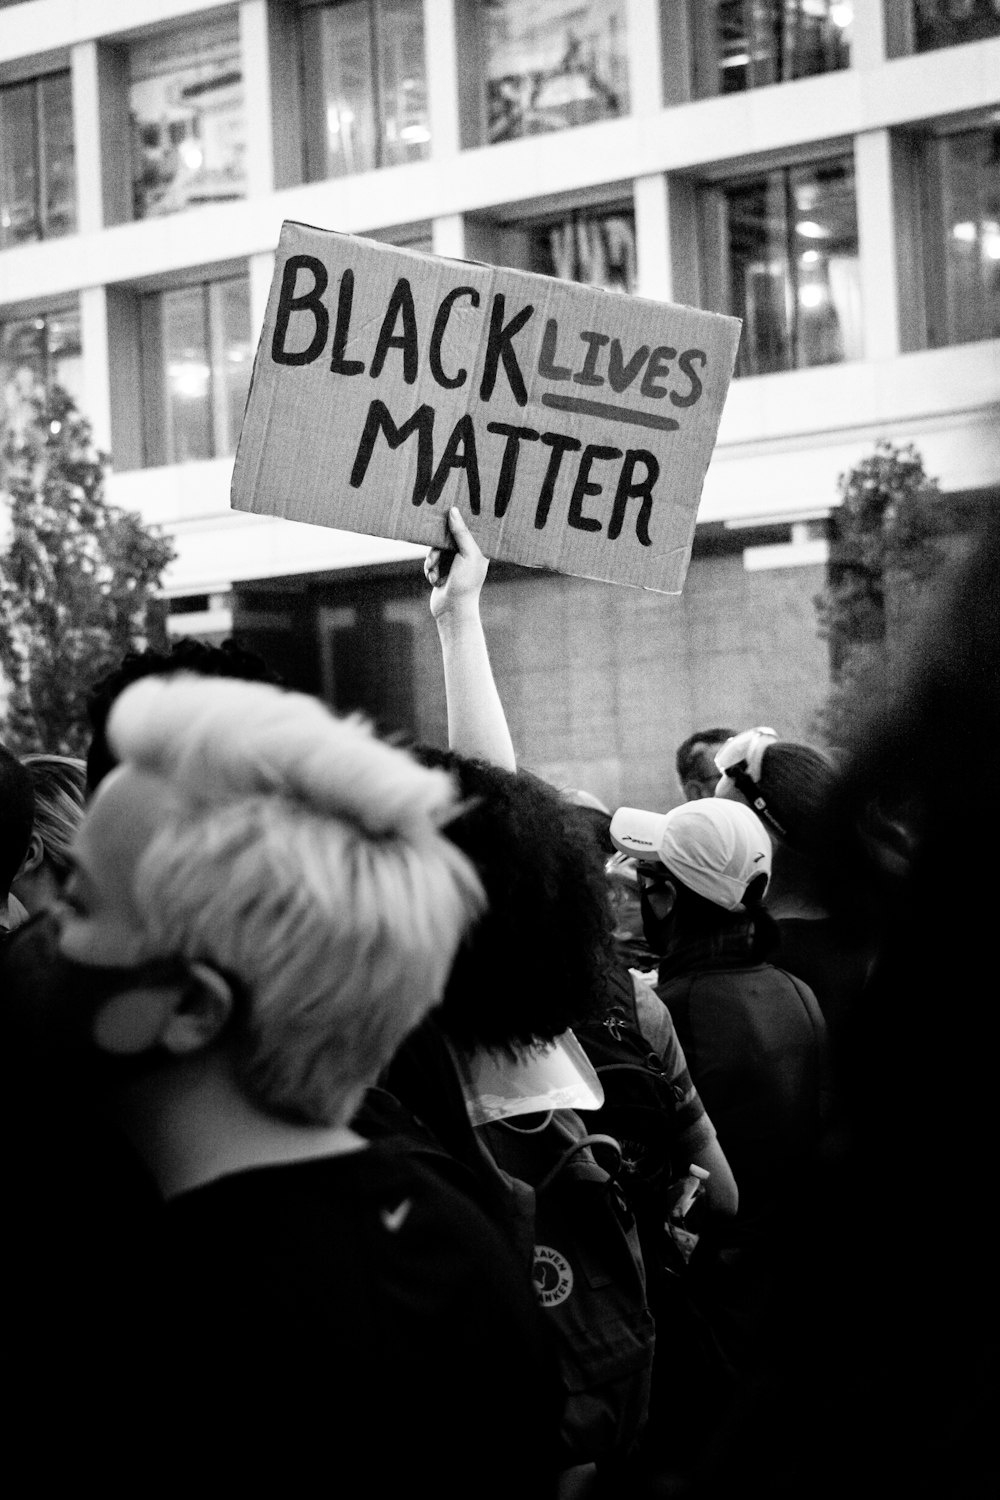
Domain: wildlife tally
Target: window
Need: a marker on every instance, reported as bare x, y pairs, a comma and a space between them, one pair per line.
552, 64
43, 350
781, 252
962, 236
364, 87
37, 176
196, 362
593, 246
944, 23
188, 118
745, 44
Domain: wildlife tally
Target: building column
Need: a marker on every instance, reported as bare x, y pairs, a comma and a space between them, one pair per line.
96, 363
441, 64
652, 237
645, 57
87, 137
448, 236
870, 38
877, 243
256, 58
102, 140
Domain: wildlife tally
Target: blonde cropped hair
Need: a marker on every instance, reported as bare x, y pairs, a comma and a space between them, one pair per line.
59, 782
304, 860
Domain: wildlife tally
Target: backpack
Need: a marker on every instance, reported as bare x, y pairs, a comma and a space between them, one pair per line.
639, 1111
577, 1232
693, 1376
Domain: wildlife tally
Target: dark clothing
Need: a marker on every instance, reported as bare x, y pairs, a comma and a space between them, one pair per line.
278, 1331
832, 962
360, 1328
754, 1040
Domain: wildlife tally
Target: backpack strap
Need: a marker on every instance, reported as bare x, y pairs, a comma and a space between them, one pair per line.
586, 1142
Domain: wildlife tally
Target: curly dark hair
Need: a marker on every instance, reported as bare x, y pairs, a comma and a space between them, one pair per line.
227, 660
537, 961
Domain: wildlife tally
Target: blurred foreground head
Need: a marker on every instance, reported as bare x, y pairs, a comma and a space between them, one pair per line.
919, 808
252, 844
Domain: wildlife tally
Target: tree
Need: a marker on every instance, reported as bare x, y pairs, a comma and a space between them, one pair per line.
78, 577
891, 536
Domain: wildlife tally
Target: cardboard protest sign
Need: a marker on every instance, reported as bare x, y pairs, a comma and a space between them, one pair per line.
571, 426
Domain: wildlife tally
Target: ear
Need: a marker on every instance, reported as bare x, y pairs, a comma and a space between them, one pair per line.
132, 1022
694, 791
180, 1017
34, 855
203, 1011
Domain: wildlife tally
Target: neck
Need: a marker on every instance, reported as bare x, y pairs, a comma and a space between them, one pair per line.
191, 1123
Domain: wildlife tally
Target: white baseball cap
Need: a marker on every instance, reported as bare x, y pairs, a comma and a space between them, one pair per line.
713, 846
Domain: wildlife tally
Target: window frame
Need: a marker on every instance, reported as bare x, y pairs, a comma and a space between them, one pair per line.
705, 66
930, 227
45, 309
158, 436
314, 147
715, 282
36, 79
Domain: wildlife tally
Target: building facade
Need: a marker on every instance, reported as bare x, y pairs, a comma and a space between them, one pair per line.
827, 171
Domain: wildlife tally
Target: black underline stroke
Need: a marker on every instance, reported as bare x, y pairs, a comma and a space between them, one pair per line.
610, 413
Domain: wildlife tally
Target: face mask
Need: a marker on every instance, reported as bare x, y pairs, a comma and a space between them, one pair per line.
53, 1008
656, 903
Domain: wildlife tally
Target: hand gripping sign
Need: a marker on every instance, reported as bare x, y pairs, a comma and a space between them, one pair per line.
572, 427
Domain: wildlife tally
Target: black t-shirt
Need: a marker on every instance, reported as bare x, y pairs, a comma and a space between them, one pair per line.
356, 1323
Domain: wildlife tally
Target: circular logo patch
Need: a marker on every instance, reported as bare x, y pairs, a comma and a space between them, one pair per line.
553, 1276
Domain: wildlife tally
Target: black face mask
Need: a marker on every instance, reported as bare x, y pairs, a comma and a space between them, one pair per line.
657, 898
48, 1005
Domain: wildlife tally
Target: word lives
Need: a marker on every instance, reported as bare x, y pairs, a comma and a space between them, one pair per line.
583, 374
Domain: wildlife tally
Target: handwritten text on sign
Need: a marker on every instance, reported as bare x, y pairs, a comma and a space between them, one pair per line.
532, 404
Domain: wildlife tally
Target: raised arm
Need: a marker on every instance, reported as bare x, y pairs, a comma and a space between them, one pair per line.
477, 725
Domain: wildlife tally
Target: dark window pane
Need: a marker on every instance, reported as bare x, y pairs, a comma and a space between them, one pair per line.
968, 225
57, 160
188, 118
597, 249
945, 23
553, 64
791, 250
339, 59
364, 86
188, 375
746, 44
197, 357
43, 350
65, 351
20, 218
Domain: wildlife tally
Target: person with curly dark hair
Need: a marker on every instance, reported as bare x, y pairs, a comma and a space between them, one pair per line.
187, 655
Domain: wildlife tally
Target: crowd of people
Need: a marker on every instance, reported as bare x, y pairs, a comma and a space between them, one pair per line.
380, 1115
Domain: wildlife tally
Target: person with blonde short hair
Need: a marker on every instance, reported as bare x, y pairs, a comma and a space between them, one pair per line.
59, 782
278, 906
